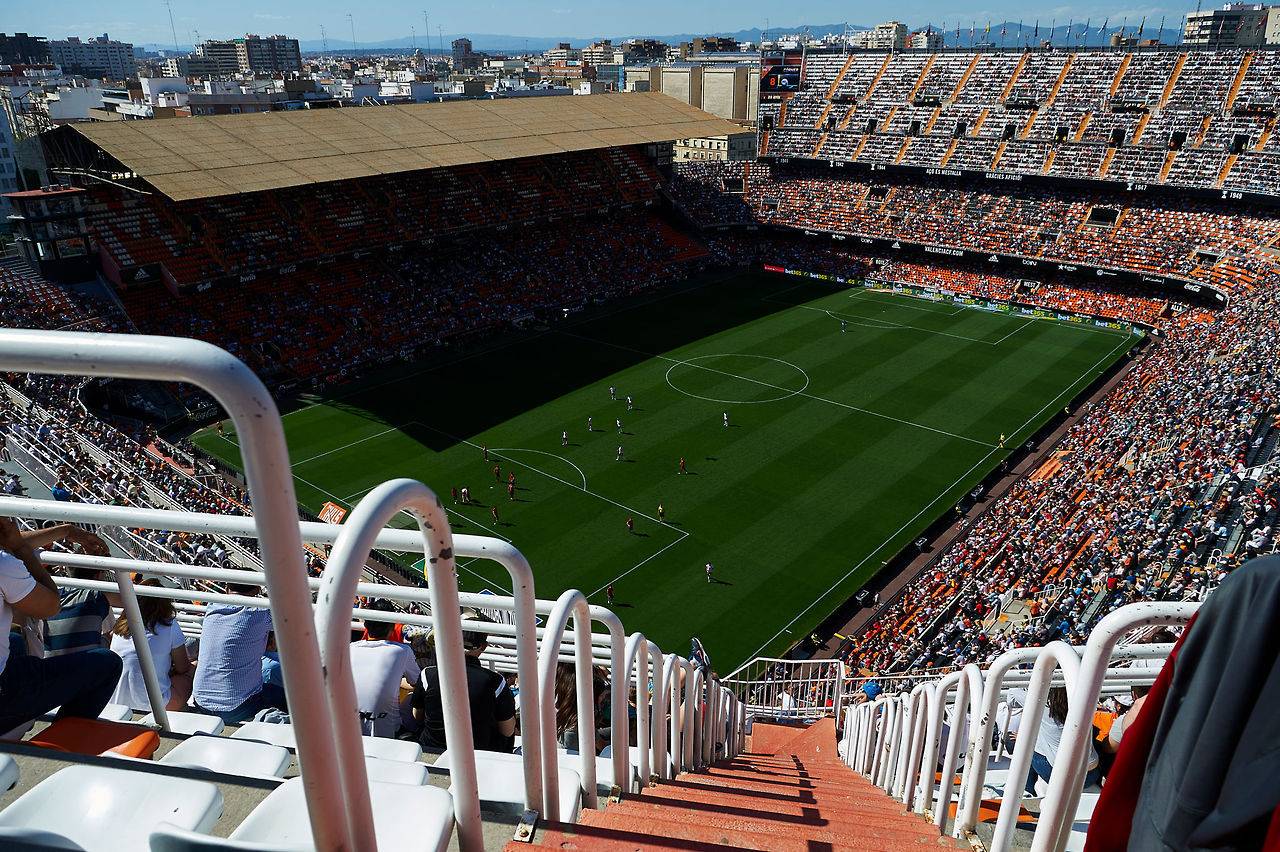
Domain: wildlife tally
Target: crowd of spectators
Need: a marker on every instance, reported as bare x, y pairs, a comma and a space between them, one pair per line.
237, 237
326, 323
1156, 492
1192, 240
1146, 116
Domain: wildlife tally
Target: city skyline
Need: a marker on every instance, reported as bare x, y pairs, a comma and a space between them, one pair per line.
147, 23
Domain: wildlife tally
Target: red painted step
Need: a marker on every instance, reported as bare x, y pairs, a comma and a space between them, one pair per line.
790, 793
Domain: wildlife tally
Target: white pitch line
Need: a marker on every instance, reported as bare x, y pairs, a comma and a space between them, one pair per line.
888, 325
1012, 333
543, 472
683, 536
885, 543
346, 446
869, 291
496, 450
814, 397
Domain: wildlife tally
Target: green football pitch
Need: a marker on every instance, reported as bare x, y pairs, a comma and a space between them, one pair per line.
856, 419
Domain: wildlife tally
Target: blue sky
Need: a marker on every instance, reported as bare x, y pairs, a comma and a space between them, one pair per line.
146, 21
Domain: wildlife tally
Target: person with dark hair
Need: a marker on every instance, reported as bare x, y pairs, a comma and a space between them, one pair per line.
81, 684
168, 653
379, 667
1048, 739
493, 705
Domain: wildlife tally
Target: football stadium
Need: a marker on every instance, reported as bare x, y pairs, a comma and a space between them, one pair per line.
913, 482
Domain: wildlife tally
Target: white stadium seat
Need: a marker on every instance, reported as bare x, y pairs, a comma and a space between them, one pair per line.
501, 781
113, 810
230, 756
188, 723
282, 735
404, 816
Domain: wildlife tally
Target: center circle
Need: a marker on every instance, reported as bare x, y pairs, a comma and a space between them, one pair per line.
737, 379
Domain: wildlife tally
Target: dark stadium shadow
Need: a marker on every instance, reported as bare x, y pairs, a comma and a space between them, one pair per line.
533, 369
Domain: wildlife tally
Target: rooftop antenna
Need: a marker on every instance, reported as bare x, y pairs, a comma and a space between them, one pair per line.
169, 5
426, 22
352, 22
413, 38
440, 35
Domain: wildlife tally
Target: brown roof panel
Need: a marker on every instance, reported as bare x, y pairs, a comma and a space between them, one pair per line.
223, 155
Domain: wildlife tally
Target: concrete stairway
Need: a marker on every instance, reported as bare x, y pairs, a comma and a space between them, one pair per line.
787, 791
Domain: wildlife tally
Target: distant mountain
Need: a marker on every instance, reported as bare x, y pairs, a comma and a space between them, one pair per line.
1060, 33
1073, 33
495, 43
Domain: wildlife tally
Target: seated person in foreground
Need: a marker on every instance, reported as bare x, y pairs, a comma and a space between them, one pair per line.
493, 706
228, 682
81, 683
168, 653
379, 666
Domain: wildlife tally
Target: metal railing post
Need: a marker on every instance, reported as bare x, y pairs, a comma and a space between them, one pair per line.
138, 633
1053, 655
571, 604
1063, 796
270, 482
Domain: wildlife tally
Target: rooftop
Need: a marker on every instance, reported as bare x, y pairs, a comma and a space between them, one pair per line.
224, 155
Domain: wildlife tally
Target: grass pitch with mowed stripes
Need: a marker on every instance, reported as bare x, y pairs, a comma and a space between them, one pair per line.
856, 418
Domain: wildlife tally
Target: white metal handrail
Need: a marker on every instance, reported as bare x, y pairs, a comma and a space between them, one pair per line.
1064, 788
571, 604
480, 547
269, 477
880, 735
333, 620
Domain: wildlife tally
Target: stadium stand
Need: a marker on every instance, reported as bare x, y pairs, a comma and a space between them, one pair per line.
1158, 111
1152, 501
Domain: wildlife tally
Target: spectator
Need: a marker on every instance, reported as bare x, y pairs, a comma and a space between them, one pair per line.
567, 708
83, 613
379, 667
228, 681
493, 706
1047, 740
80, 684
168, 653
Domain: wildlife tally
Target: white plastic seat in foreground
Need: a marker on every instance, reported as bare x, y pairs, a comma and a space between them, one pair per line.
383, 748
188, 723
404, 817
8, 773
114, 810
1080, 825
500, 778
34, 840
233, 757
414, 773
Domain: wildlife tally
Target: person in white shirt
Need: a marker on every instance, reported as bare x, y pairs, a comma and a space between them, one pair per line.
80, 684
168, 654
378, 667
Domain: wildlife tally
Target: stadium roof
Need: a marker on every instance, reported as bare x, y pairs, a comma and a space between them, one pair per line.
188, 158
